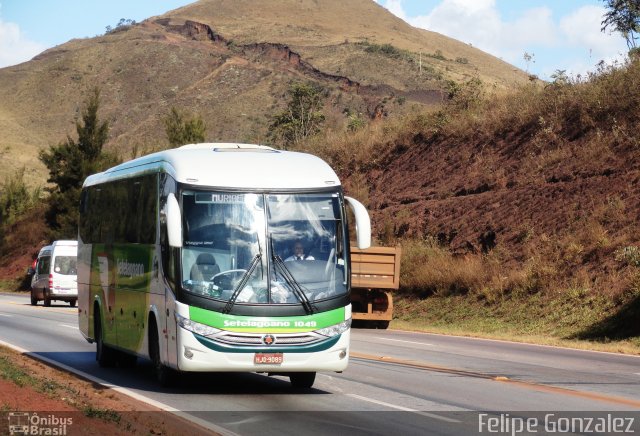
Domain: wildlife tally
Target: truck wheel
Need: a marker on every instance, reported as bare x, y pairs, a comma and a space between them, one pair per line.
105, 355
302, 380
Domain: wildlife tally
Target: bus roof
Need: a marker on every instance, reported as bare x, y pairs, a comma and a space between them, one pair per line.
229, 165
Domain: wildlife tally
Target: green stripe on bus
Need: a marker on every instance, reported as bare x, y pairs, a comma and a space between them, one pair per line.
253, 324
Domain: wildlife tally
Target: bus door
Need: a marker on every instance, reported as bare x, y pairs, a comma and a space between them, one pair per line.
104, 286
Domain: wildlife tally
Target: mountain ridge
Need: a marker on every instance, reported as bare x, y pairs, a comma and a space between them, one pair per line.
231, 63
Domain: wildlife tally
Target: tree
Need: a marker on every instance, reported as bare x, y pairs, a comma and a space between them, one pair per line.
624, 17
465, 96
69, 163
528, 58
16, 198
560, 77
183, 129
301, 119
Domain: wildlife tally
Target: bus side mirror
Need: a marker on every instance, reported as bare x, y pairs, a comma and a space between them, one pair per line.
174, 222
363, 223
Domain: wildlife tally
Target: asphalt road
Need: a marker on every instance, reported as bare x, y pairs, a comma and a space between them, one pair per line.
397, 382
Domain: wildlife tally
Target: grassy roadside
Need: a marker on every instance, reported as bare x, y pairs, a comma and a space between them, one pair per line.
28, 385
575, 320
8, 286
14, 286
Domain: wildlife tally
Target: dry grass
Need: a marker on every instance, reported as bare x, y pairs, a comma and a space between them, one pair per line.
560, 165
623, 346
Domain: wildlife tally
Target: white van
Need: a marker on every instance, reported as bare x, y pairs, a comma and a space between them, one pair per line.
55, 277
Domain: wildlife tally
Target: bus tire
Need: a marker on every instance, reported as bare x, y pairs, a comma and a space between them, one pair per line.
72, 303
105, 355
163, 374
126, 360
302, 380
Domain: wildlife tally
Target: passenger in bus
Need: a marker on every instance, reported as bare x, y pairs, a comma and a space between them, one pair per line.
298, 253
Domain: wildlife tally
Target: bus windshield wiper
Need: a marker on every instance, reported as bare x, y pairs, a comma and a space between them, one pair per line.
309, 308
241, 284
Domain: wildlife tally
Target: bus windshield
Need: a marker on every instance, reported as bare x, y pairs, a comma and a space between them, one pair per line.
247, 248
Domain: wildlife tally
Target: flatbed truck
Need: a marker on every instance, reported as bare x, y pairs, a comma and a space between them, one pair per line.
375, 274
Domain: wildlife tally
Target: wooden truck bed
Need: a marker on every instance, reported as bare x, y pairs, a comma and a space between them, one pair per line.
374, 273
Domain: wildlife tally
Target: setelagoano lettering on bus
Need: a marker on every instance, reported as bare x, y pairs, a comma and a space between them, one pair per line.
252, 323
128, 269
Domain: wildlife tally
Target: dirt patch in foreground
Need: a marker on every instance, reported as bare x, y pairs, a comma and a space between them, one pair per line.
74, 406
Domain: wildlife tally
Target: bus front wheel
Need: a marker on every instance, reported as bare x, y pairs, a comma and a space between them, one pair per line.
302, 380
164, 374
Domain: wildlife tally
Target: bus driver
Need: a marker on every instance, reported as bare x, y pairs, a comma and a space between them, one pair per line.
298, 253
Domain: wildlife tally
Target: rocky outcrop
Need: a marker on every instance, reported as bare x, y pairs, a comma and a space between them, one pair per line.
281, 53
193, 30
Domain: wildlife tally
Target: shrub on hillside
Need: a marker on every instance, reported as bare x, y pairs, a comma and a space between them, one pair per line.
182, 128
301, 119
16, 198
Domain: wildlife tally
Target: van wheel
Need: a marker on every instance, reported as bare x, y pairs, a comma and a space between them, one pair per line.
34, 300
164, 375
302, 380
105, 355
47, 300
72, 303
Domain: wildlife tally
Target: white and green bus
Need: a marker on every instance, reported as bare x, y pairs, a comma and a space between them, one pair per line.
184, 258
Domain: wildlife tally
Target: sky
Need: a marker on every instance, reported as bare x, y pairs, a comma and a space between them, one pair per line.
556, 34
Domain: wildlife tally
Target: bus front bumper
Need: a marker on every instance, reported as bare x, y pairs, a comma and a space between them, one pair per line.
200, 354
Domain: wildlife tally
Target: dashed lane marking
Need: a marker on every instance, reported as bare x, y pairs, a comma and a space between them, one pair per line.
404, 409
406, 342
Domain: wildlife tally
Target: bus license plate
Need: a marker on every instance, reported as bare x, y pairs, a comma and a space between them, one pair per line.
268, 358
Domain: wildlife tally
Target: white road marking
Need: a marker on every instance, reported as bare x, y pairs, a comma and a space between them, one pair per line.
404, 409
75, 327
4, 314
408, 342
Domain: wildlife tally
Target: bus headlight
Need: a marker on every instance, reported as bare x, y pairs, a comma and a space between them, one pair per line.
195, 327
335, 329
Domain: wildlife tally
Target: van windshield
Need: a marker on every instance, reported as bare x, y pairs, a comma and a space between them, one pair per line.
65, 265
